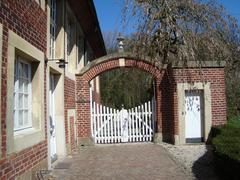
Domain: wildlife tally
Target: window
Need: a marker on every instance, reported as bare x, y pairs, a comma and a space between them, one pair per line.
22, 95
69, 39
88, 55
80, 48
52, 28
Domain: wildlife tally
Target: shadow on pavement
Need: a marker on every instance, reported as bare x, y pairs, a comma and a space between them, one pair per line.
203, 168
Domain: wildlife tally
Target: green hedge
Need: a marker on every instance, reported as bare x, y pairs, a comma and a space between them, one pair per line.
227, 150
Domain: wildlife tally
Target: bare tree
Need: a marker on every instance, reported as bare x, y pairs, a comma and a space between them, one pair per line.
186, 29
110, 40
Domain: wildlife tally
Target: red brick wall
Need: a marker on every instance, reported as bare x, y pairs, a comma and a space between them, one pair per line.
96, 95
82, 91
69, 101
82, 107
17, 164
166, 94
169, 107
29, 21
217, 79
167, 103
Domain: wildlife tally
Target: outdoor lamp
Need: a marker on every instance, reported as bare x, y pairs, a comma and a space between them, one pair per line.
61, 62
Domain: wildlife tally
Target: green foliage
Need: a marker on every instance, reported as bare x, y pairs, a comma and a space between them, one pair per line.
233, 90
128, 87
227, 141
234, 122
227, 150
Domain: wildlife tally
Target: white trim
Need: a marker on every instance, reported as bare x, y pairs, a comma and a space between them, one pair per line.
19, 46
52, 21
181, 88
59, 113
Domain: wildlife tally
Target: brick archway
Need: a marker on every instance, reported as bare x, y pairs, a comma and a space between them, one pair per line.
102, 65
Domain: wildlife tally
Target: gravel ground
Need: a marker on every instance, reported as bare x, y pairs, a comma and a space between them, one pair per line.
197, 159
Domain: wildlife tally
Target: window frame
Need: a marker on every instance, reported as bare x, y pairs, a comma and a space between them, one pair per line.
53, 27
16, 108
81, 49
69, 38
16, 142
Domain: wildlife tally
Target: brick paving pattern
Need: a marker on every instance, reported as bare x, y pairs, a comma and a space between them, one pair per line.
120, 162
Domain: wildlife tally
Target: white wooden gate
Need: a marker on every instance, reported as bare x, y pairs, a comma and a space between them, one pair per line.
117, 126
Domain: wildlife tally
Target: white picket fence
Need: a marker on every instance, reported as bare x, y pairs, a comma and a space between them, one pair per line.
110, 125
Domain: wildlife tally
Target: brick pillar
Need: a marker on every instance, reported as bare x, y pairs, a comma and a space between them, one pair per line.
158, 128
83, 123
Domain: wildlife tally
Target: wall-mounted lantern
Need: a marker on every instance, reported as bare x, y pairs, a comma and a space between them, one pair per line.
61, 62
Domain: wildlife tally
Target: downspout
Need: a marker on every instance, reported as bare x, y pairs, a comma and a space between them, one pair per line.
65, 29
64, 73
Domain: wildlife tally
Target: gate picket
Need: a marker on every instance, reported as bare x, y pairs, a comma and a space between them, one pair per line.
150, 120
136, 123
119, 126
98, 128
143, 121
101, 124
92, 114
139, 123
133, 127
111, 129
115, 124
94, 120
110, 125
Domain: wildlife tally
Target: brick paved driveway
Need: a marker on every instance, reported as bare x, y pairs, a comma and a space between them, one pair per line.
123, 162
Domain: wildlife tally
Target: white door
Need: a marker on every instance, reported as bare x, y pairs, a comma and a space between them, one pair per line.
52, 119
193, 118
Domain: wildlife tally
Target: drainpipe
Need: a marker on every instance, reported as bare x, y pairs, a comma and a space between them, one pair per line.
64, 152
65, 29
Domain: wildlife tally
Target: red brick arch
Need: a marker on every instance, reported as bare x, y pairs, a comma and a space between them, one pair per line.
102, 65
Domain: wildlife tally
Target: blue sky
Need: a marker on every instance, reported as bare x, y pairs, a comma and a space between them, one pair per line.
109, 13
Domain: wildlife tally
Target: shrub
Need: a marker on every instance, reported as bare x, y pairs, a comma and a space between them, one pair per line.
227, 150
228, 142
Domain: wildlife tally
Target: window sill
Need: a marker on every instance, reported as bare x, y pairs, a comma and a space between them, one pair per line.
24, 132
27, 138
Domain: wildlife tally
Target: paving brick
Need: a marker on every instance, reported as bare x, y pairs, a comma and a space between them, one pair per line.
121, 162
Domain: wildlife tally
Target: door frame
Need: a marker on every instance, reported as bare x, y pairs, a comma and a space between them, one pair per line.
59, 113
179, 136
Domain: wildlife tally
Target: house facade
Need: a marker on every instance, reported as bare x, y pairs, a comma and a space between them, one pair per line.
52, 53
37, 95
